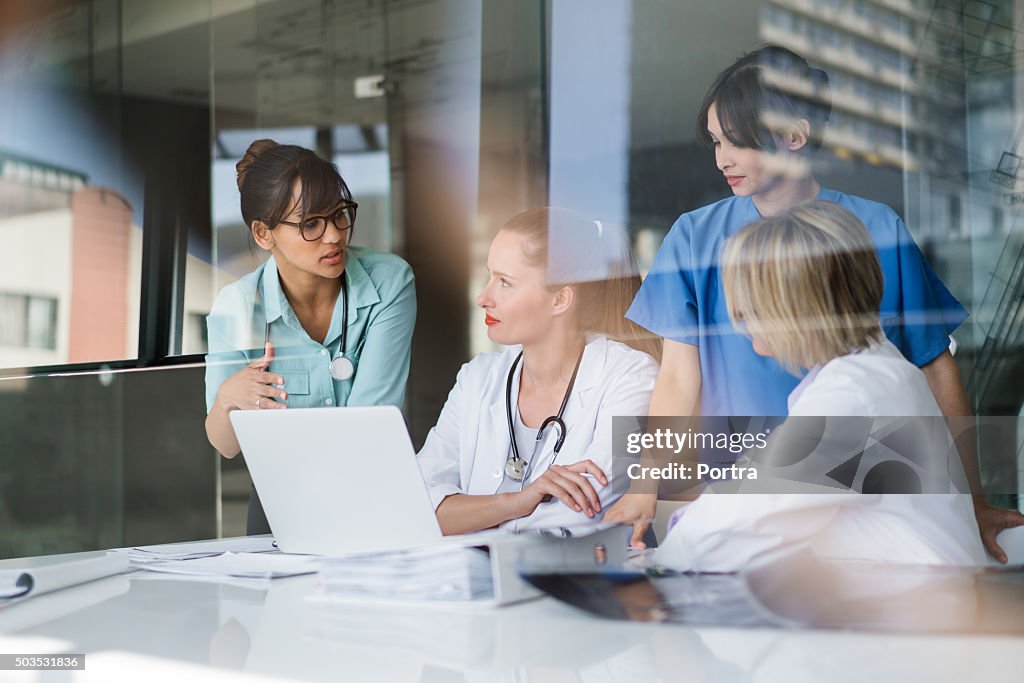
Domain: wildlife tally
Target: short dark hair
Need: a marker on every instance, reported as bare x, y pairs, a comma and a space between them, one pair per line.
267, 173
742, 97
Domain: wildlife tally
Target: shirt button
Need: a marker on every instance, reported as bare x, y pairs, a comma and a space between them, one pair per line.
329, 401
323, 352
496, 474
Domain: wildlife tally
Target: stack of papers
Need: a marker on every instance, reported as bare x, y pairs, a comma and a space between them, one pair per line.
444, 572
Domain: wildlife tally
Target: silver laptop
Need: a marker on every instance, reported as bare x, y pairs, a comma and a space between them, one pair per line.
337, 480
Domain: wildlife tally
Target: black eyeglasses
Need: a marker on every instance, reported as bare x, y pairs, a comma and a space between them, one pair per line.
314, 227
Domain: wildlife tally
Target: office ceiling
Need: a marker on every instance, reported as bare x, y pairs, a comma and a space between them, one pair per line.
269, 63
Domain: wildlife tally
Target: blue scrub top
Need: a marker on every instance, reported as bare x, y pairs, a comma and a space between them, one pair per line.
682, 299
381, 316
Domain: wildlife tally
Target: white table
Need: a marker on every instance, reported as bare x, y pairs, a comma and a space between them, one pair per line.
160, 627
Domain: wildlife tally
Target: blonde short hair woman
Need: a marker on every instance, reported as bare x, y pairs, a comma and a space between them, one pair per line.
806, 286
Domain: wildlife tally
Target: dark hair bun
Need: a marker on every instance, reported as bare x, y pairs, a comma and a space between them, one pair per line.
257, 148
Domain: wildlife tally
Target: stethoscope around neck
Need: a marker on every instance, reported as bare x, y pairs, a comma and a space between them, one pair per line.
341, 367
516, 467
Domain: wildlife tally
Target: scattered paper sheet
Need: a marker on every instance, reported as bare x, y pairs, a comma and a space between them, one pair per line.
245, 565
191, 551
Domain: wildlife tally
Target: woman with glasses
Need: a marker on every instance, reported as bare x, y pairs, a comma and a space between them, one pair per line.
321, 323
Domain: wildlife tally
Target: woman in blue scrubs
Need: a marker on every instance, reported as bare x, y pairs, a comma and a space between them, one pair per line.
762, 136
321, 323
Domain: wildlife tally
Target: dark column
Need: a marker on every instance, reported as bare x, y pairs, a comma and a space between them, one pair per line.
451, 186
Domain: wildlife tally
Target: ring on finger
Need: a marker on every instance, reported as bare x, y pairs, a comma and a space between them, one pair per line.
258, 400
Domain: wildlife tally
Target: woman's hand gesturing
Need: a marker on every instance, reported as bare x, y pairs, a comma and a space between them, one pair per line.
252, 387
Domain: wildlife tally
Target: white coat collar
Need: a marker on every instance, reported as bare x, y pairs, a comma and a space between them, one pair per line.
591, 368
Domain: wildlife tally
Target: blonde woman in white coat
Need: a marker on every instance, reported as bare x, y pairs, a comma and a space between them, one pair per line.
557, 291
806, 285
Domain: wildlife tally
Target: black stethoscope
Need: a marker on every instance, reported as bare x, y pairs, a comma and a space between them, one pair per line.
341, 368
515, 466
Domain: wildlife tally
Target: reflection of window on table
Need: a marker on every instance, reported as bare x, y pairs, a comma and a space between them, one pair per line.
28, 321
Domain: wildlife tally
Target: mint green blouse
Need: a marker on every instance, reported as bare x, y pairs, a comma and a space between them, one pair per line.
382, 313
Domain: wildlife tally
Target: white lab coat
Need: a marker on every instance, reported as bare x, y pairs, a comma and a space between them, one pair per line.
466, 451
727, 532
874, 382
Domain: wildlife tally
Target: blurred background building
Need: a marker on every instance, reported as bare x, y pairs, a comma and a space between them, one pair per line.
121, 122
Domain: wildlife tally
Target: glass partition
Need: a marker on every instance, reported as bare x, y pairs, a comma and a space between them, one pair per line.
104, 459
925, 97
98, 129
991, 200
70, 208
123, 120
